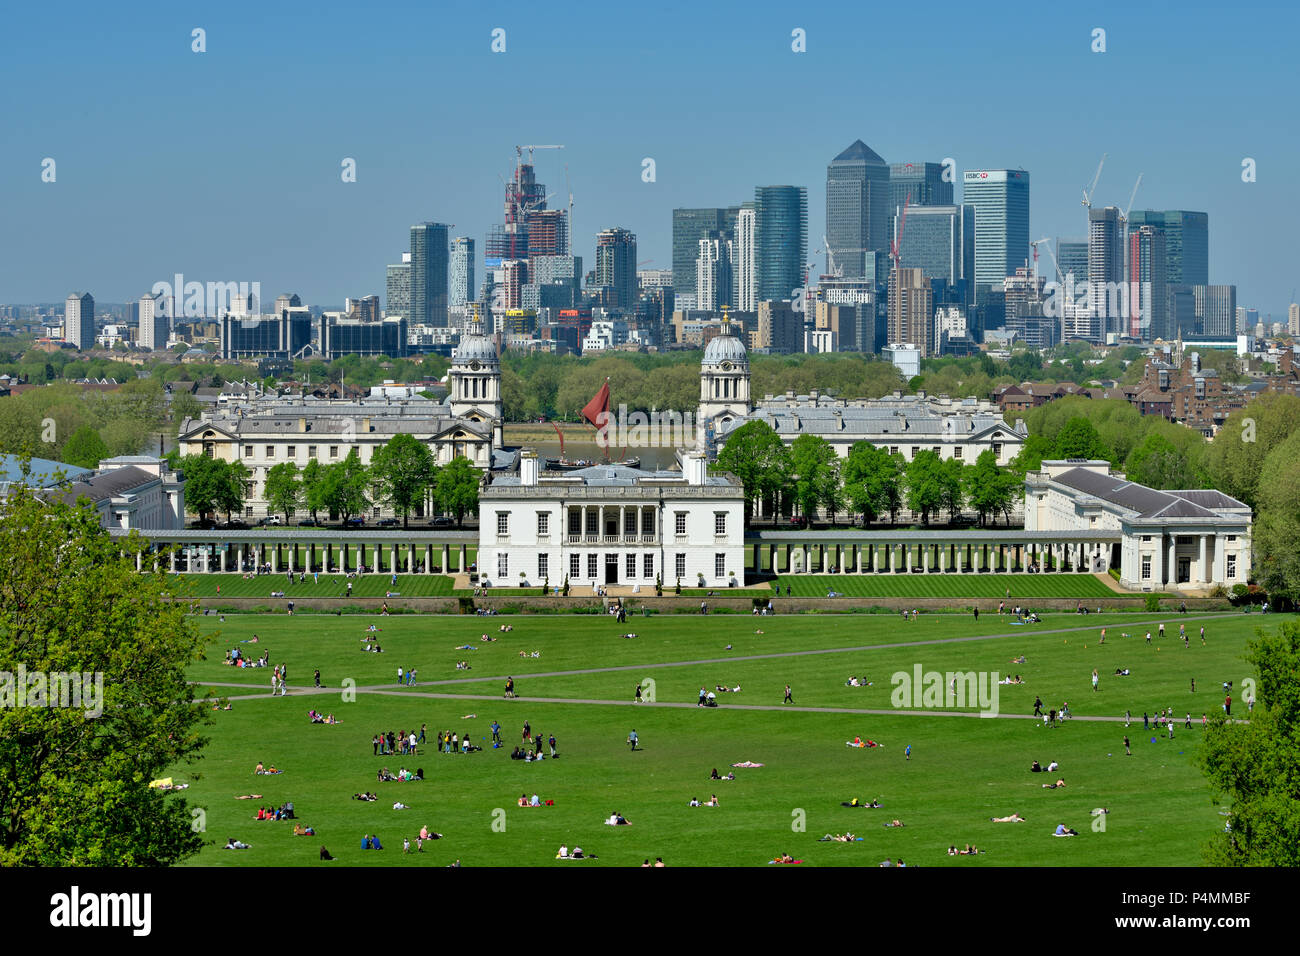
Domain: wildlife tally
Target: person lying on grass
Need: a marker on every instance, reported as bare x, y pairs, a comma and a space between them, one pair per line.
839, 838
895, 823
1054, 786
1014, 818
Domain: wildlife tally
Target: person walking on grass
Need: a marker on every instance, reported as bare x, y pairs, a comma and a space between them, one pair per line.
1094, 680
788, 698
1128, 751
632, 739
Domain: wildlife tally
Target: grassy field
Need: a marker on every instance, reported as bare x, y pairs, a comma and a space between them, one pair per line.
322, 586
580, 687
996, 586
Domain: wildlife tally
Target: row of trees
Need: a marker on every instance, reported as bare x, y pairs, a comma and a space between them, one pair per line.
402, 475
808, 476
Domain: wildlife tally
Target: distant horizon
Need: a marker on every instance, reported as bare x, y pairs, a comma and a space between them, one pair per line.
225, 165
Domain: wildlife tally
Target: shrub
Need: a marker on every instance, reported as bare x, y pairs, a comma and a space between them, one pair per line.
1152, 602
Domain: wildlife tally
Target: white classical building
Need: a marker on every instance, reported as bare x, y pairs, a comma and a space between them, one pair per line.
131, 492
262, 432
1168, 540
612, 525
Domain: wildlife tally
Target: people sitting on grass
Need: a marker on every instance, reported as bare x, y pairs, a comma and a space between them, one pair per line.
1019, 660
1121, 672
300, 830
487, 639
233, 844
1013, 818
369, 797
617, 819
1035, 767
724, 689
369, 842
1053, 767
266, 771
1062, 831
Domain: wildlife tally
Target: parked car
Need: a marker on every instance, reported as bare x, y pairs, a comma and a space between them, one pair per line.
387, 523
309, 523
442, 521
358, 522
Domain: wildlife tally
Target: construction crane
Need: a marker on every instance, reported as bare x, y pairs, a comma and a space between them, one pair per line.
1087, 193
569, 251
1123, 217
519, 151
1034, 246
832, 268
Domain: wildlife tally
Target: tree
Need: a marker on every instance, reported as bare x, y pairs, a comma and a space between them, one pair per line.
234, 487
1277, 527
1026, 366
989, 488
204, 484
755, 454
456, 488
954, 494
872, 480
313, 487
1079, 439
1157, 463
1234, 459
75, 786
283, 489
1256, 765
816, 474
402, 472
85, 448
345, 484
185, 406
925, 484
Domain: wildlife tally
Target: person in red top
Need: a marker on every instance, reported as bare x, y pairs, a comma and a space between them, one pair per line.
1227, 704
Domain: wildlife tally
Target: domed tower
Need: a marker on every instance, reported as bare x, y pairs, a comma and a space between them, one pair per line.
724, 384
474, 380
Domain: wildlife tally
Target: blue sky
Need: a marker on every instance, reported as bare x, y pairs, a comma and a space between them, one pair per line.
225, 165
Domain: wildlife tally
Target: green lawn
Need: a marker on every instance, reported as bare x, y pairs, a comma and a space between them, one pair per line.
952, 585
321, 586
961, 771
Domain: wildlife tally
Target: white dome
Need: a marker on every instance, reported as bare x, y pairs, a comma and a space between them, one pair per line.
725, 348
474, 348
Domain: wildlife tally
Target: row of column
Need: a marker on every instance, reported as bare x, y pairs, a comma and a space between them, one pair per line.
903, 557
642, 525
384, 558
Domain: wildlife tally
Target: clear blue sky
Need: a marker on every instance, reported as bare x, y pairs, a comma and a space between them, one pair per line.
225, 165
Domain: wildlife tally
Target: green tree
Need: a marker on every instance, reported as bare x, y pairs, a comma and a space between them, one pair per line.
313, 487
456, 488
755, 454
1079, 439
402, 472
345, 485
873, 481
205, 480
235, 484
85, 448
75, 790
989, 487
283, 488
1234, 459
1026, 366
185, 406
815, 474
1255, 766
954, 492
926, 484
1277, 526
1157, 463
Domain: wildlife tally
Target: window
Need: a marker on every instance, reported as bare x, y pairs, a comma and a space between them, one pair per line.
543, 566
648, 521
503, 522
248, 451
720, 565
503, 565
575, 565
936, 450
629, 522
1146, 567
270, 451
720, 523
680, 526
375, 511
593, 562
311, 451
915, 449
1146, 537
543, 523
956, 452
334, 451
648, 566
292, 451
893, 449
630, 565
248, 512
681, 565
997, 450
1232, 566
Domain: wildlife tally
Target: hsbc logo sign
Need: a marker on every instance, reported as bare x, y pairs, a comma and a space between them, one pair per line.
977, 176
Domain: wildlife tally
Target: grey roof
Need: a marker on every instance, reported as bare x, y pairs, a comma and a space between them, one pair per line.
859, 152
1209, 498
902, 421
110, 484
474, 348
1143, 501
614, 476
43, 471
725, 348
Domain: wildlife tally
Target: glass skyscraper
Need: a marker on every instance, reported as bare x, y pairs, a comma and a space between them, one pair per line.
857, 208
781, 238
924, 182
429, 285
461, 282
616, 265
1001, 201
397, 301
689, 227
940, 241
1187, 242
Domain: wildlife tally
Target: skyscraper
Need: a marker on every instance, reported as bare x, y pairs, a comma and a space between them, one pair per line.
1106, 269
713, 274
1187, 242
1293, 318
1216, 308
1071, 258
940, 241
1001, 201
397, 297
689, 227
745, 265
1148, 281
461, 282
79, 320
154, 327
781, 240
429, 258
616, 265
924, 182
857, 209
911, 310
